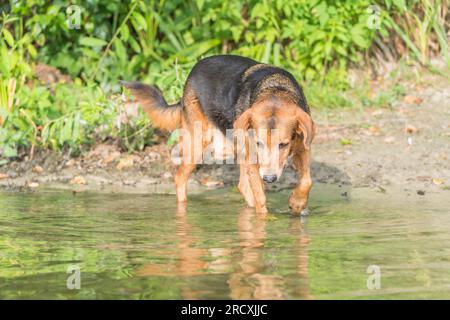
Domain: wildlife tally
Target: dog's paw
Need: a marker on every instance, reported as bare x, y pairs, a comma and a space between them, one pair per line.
297, 205
305, 212
262, 210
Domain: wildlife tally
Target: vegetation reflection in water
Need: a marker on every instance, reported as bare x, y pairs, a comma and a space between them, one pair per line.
141, 247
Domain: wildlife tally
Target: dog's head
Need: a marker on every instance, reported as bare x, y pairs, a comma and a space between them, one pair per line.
280, 128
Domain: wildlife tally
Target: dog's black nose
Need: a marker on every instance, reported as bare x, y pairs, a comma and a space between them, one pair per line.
270, 178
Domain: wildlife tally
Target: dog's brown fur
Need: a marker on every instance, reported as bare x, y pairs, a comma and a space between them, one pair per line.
274, 103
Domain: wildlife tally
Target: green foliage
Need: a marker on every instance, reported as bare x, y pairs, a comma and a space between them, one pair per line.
159, 41
422, 25
145, 38
35, 120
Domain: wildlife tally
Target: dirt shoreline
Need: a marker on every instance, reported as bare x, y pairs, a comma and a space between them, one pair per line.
406, 148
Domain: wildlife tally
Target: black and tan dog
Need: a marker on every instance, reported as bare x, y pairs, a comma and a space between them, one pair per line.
232, 92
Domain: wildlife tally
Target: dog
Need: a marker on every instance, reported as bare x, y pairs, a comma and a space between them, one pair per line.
228, 92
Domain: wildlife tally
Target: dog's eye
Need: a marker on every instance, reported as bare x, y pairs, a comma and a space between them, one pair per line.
283, 145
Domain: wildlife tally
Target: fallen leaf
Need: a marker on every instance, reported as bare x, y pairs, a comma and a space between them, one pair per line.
4, 176
125, 163
346, 142
211, 183
78, 180
374, 130
33, 185
438, 182
70, 163
112, 156
412, 99
270, 217
389, 139
410, 129
38, 169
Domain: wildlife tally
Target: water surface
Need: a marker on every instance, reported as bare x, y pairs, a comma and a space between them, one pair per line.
139, 247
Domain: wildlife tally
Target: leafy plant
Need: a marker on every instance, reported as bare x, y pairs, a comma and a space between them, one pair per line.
159, 41
419, 27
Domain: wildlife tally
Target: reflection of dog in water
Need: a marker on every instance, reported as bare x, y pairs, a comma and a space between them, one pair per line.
231, 92
247, 265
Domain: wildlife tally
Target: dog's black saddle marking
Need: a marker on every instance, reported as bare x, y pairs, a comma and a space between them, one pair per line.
227, 85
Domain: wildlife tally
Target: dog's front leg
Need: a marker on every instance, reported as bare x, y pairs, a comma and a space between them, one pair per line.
298, 201
244, 186
257, 187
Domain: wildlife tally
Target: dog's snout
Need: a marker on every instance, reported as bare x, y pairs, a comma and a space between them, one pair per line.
270, 178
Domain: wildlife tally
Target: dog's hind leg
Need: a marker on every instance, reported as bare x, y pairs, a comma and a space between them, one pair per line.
193, 124
181, 179
244, 187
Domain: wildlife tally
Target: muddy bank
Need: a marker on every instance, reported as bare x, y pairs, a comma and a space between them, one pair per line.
406, 148
108, 169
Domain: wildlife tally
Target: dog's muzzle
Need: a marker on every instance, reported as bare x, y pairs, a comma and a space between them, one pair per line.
270, 178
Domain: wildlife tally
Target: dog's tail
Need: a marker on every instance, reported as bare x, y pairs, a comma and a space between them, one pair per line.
162, 115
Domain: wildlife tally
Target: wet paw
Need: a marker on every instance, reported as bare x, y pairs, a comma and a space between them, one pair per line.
298, 205
305, 212
262, 210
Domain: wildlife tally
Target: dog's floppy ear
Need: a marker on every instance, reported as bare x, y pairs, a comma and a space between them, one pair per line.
305, 127
243, 121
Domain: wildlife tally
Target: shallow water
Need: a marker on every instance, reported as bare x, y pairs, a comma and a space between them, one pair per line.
139, 247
